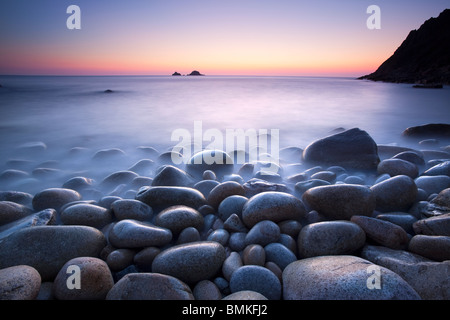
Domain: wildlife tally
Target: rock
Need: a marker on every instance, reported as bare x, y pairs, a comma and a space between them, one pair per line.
237, 241
234, 224
54, 198
119, 259
439, 170
263, 233
258, 279
191, 262
395, 167
433, 184
254, 254
330, 238
255, 186
245, 295
138, 234
19, 197
223, 191
342, 277
205, 186
114, 179
303, 186
87, 215
171, 176
78, 184
177, 218
19, 283
415, 157
41, 218
48, 248
395, 194
353, 148
328, 176
131, 209
231, 205
290, 227
383, 232
231, 264
11, 211
108, 154
216, 161
144, 258
143, 167
190, 234
219, 235
439, 205
428, 278
433, 247
434, 226
206, 290
209, 175
149, 286
274, 206
403, 220
279, 254
164, 197
341, 202
94, 283
431, 130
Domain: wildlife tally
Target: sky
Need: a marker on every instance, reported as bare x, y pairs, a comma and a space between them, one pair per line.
227, 37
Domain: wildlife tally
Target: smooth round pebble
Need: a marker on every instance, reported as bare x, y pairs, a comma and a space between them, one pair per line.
395, 194
206, 290
245, 295
19, 282
263, 233
86, 214
177, 218
279, 254
254, 254
131, 209
432, 247
258, 279
138, 234
54, 198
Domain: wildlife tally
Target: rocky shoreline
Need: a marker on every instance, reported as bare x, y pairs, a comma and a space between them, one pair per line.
344, 218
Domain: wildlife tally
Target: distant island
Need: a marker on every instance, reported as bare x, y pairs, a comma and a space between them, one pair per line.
193, 73
423, 57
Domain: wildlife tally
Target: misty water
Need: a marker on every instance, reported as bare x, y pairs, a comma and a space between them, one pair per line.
63, 113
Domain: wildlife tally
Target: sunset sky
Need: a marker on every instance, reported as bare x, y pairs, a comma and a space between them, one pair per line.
227, 37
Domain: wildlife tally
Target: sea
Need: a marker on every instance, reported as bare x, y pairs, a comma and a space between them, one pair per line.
65, 112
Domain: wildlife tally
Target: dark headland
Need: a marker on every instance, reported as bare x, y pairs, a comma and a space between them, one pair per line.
193, 73
422, 58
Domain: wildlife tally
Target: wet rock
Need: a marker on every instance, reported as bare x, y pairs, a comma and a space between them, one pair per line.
341, 277
171, 176
131, 209
258, 279
245, 295
223, 191
206, 290
263, 233
330, 238
138, 234
383, 232
109, 154
48, 248
395, 194
177, 218
274, 206
191, 262
234, 224
189, 234
78, 183
95, 280
205, 186
439, 205
395, 167
41, 218
18, 197
255, 186
303, 186
353, 148
231, 264
11, 211
164, 197
279, 254
341, 202
119, 259
232, 204
220, 235
433, 184
403, 220
439, 169
86, 214
434, 226
254, 254
19, 283
433, 247
149, 286
114, 179
54, 198
428, 278
216, 161
144, 258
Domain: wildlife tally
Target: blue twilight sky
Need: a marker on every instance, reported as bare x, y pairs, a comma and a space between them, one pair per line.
267, 37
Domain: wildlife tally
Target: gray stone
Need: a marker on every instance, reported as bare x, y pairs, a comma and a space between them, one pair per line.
131, 209
191, 262
395, 194
329, 176
342, 277
341, 202
144, 258
138, 234
220, 235
231, 264
274, 206
303, 186
78, 183
177, 218
433, 184
431, 280
353, 148
11, 211
290, 227
223, 191
114, 179
206, 290
237, 241
19, 283
439, 169
434, 226
86, 214
258, 279
230, 205
54, 198
263, 233
119, 259
383, 232
19, 197
149, 286
395, 167
205, 186
254, 254
255, 186
234, 224
143, 167
41, 218
190, 234
432, 247
401, 219
95, 280
279, 254
245, 295
164, 197
214, 160
330, 238
48, 248
171, 176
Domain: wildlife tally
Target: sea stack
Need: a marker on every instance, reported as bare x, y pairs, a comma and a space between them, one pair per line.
195, 73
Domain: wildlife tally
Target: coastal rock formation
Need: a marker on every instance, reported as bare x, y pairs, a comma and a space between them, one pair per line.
195, 73
424, 56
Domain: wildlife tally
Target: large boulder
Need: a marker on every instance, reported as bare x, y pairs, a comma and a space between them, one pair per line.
353, 148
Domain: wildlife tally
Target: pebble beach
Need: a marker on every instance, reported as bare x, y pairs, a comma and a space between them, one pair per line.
343, 218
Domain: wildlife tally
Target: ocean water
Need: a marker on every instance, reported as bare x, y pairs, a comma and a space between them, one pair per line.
69, 112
